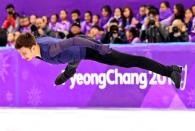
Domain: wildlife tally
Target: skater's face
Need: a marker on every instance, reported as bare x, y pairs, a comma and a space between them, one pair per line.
27, 53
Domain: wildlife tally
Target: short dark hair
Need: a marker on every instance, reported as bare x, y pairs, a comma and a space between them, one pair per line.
76, 12
76, 24
96, 27
23, 16
153, 11
25, 40
114, 21
10, 6
134, 31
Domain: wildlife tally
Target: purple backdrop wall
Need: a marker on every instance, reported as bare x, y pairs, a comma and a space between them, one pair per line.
31, 84
47, 7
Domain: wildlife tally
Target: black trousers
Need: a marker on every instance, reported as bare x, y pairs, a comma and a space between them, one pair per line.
126, 60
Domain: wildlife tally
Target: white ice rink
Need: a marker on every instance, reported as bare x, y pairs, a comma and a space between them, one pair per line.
96, 120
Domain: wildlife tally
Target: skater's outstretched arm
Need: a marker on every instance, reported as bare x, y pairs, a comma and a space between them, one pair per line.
68, 73
71, 68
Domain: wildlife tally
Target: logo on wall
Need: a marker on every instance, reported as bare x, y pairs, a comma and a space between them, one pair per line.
113, 77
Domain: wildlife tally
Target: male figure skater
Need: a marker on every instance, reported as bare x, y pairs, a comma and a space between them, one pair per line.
73, 50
